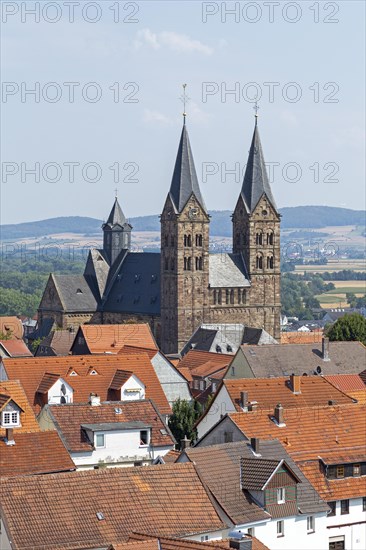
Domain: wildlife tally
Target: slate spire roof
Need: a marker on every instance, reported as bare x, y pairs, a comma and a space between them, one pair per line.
256, 181
184, 181
116, 215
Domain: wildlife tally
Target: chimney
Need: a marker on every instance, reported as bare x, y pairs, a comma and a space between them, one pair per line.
295, 383
325, 348
184, 443
253, 406
94, 399
9, 437
278, 414
244, 400
254, 442
240, 542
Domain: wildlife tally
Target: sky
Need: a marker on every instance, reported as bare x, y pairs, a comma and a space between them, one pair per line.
105, 113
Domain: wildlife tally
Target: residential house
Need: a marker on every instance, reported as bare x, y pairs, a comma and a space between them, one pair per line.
58, 342
329, 446
119, 433
93, 508
259, 490
314, 337
14, 348
263, 394
174, 384
147, 542
11, 327
226, 338
310, 359
72, 379
24, 449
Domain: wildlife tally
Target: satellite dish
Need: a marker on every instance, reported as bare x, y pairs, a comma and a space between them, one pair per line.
63, 389
318, 370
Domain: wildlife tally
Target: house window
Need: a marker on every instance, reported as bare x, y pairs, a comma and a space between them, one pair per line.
340, 471
280, 529
356, 470
204, 538
333, 508
310, 524
144, 437
250, 531
100, 440
213, 387
344, 507
202, 385
364, 504
10, 418
228, 437
281, 495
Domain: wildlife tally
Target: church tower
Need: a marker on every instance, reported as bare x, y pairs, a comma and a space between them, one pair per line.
184, 253
256, 235
116, 233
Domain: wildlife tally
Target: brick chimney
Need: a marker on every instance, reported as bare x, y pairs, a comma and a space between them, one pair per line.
325, 348
9, 436
184, 443
295, 381
254, 443
278, 415
244, 399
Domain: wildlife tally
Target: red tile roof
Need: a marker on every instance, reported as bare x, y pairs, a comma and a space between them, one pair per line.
346, 382
302, 337
34, 453
195, 358
111, 338
12, 390
184, 544
31, 371
159, 502
15, 348
12, 326
69, 418
335, 434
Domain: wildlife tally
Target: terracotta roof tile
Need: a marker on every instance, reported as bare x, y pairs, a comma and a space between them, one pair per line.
314, 337
159, 502
315, 390
30, 371
184, 544
16, 393
69, 418
336, 434
120, 378
48, 380
111, 338
171, 456
15, 348
346, 382
47, 447
194, 359
12, 326
210, 368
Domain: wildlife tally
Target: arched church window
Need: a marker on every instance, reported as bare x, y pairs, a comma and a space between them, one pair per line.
270, 262
259, 262
259, 238
166, 264
214, 297
199, 240
189, 264
270, 238
227, 295
219, 296
231, 296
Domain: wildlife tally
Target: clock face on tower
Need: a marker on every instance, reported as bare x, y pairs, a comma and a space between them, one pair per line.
192, 213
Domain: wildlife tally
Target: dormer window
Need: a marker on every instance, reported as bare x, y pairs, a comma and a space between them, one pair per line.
10, 418
79, 291
93, 372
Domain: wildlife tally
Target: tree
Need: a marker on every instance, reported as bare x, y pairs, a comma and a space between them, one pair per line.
350, 327
183, 419
351, 299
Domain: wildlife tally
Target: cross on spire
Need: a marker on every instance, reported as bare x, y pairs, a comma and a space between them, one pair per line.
256, 109
184, 98
116, 192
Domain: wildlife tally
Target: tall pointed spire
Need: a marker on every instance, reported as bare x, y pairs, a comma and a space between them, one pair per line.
256, 182
116, 215
184, 181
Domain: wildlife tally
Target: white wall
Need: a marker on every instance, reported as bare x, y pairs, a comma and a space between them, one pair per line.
54, 393
219, 407
355, 535
173, 383
4, 541
132, 383
122, 448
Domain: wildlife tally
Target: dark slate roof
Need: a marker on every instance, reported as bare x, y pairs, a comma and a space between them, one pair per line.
75, 293
184, 181
283, 360
58, 342
116, 216
219, 468
227, 270
255, 474
256, 181
257, 336
43, 329
136, 288
96, 271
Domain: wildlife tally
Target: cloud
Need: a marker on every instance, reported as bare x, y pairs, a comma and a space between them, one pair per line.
176, 42
155, 116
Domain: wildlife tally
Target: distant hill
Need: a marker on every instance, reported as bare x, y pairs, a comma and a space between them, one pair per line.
292, 217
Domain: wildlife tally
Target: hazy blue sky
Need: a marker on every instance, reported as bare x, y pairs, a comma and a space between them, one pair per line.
157, 46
